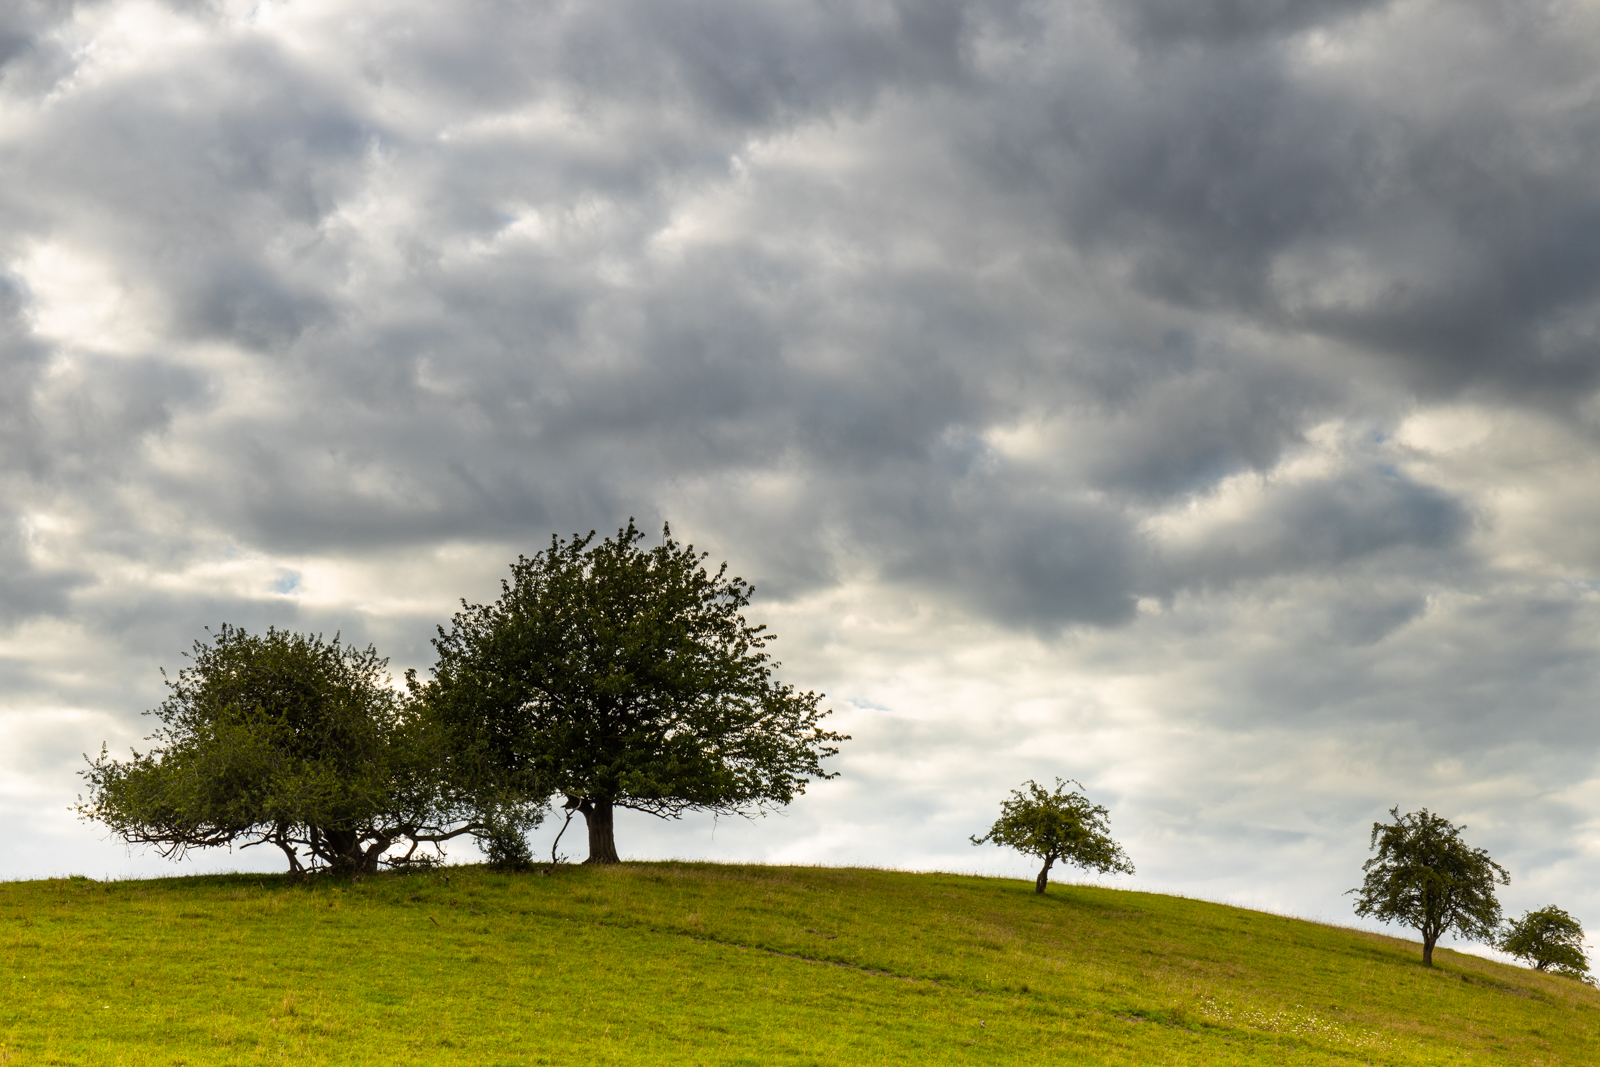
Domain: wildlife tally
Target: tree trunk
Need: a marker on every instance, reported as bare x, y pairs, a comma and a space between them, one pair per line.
374, 853
280, 838
602, 841
343, 848
345, 851
1044, 875
1428, 942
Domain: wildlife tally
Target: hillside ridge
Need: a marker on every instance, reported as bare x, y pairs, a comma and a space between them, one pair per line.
680, 963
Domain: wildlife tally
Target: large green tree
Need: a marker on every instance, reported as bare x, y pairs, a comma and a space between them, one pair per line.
623, 676
284, 739
1426, 877
1061, 825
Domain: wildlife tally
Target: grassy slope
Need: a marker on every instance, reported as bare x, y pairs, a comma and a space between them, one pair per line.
689, 963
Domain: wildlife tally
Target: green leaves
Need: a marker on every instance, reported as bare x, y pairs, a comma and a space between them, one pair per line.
1425, 876
619, 674
1059, 825
1548, 938
286, 739
608, 672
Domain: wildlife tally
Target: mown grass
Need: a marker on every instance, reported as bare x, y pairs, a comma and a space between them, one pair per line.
670, 963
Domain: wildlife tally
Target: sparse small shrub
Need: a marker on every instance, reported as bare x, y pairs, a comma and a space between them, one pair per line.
505, 843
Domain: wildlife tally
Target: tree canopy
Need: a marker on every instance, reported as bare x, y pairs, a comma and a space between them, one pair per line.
1059, 825
620, 676
1426, 877
1548, 938
286, 739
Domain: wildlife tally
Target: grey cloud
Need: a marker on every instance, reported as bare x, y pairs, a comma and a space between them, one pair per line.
1520, 312
532, 385
1216, 176
29, 60
1016, 555
22, 360
117, 402
770, 63
1467, 675
25, 589
912, 312
247, 303
1221, 21
1362, 621
1324, 525
1188, 431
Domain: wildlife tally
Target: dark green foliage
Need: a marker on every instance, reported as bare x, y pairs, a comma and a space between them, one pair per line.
285, 739
1057, 826
620, 676
1548, 938
1426, 877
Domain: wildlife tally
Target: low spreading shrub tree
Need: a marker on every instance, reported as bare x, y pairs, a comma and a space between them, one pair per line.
1549, 939
1061, 825
614, 676
284, 739
1426, 877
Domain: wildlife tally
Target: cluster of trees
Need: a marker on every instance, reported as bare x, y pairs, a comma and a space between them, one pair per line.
607, 675
1424, 875
611, 676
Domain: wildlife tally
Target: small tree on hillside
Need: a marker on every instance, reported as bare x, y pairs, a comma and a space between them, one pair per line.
620, 676
1426, 877
1548, 938
1057, 826
284, 739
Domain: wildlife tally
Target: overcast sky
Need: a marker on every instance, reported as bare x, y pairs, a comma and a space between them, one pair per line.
1197, 398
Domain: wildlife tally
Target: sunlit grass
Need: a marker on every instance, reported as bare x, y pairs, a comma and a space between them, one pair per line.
705, 964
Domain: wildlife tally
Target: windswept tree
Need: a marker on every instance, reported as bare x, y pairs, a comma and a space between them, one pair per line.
1426, 877
284, 739
1062, 825
1548, 938
620, 676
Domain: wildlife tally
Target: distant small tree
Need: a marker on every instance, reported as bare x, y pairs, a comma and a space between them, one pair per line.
1055, 826
289, 740
1427, 877
1548, 938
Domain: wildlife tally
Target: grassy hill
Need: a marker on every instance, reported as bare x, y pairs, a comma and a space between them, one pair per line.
671, 963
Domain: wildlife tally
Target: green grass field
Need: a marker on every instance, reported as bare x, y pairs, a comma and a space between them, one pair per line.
672, 963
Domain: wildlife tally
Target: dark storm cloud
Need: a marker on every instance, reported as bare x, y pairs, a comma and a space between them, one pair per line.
1460, 214
443, 257
1185, 430
1222, 21
756, 64
1033, 566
